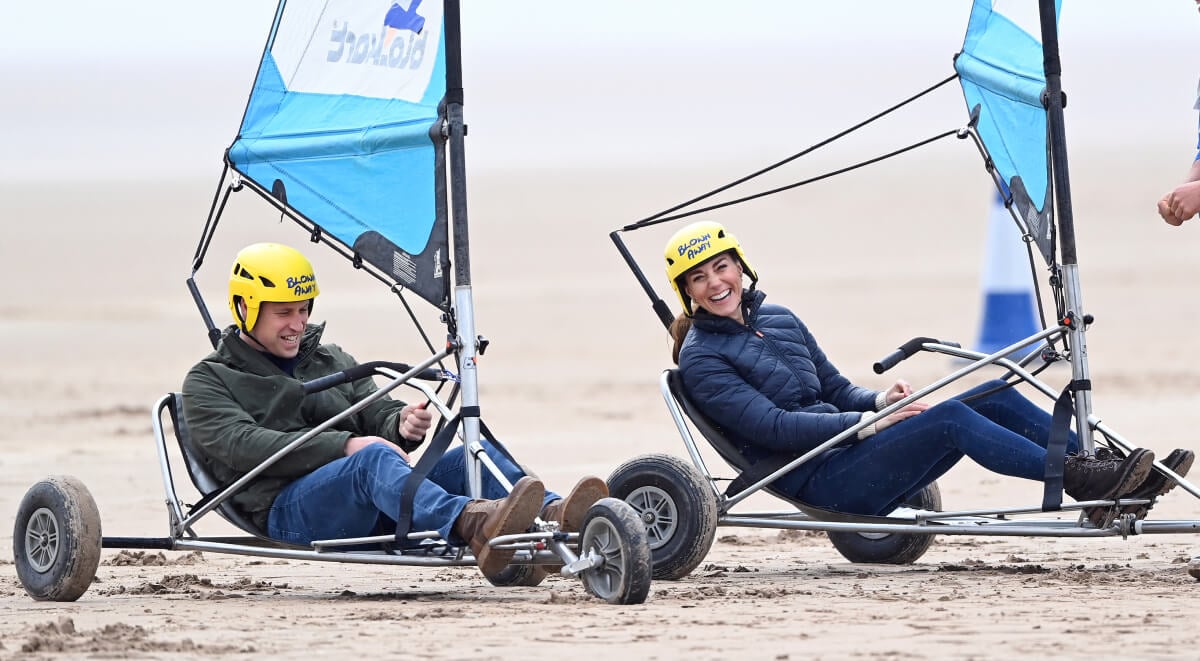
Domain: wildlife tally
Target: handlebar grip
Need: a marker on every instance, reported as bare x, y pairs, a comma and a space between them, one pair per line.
364, 370
889, 361
324, 382
907, 349
338, 378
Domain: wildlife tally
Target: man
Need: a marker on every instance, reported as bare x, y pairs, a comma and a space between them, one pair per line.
245, 401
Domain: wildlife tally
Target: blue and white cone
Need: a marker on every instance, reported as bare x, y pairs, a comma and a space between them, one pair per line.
1009, 310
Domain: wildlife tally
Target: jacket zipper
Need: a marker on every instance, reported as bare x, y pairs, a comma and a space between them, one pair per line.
771, 345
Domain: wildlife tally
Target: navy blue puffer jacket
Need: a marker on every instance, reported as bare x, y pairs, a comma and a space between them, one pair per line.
767, 383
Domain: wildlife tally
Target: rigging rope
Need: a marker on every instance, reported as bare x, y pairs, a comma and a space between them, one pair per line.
659, 216
654, 220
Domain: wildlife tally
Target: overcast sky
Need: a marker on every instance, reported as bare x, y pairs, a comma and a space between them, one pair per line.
141, 87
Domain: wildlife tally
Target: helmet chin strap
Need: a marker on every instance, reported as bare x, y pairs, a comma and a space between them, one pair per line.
241, 319
250, 336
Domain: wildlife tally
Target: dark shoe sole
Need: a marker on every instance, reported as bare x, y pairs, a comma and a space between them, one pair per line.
1137, 467
520, 508
577, 503
1157, 484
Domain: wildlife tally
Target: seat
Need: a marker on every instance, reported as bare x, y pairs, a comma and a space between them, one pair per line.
205, 483
749, 472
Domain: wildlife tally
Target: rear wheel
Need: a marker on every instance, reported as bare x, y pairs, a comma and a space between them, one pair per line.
890, 548
518, 576
612, 531
677, 507
1193, 568
56, 539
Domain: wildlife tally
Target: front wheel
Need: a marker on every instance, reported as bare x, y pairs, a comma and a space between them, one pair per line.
613, 531
890, 548
677, 507
56, 539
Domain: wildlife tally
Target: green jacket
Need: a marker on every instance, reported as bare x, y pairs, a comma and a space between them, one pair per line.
242, 408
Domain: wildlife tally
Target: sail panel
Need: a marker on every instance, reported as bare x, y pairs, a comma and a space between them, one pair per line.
343, 126
1001, 72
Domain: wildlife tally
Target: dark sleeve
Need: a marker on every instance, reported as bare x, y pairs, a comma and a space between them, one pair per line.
836, 389
223, 429
721, 392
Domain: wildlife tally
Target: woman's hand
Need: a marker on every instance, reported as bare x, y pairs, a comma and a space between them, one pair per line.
897, 392
901, 415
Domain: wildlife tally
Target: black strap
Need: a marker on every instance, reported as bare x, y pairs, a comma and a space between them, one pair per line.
408, 491
433, 453
1056, 445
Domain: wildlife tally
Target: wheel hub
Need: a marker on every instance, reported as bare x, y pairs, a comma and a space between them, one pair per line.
41, 540
657, 511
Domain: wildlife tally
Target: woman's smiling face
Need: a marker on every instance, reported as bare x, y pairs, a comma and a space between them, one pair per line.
716, 286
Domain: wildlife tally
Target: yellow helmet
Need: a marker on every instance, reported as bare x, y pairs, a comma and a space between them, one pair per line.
269, 272
692, 246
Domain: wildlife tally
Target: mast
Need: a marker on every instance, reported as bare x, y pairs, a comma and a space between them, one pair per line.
468, 343
1074, 316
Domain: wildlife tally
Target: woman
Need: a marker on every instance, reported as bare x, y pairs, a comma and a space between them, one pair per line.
756, 371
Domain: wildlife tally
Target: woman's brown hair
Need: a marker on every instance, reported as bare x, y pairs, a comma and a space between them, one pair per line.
679, 330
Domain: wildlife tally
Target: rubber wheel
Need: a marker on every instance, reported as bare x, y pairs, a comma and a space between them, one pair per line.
890, 548
677, 506
519, 576
613, 531
56, 539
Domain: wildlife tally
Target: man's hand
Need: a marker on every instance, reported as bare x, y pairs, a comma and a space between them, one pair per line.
356, 443
1180, 204
415, 421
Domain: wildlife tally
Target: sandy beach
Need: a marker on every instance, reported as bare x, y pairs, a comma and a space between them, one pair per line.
107, 328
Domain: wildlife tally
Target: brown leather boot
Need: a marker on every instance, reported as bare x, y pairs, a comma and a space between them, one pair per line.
483, 520
569, 512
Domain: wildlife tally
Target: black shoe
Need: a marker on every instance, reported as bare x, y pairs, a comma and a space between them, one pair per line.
1105, 477
1157, 483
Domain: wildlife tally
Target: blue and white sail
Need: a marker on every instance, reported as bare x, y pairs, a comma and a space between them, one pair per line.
1001, 71
344, 126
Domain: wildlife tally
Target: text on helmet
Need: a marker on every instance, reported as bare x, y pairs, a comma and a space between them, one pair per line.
303, 285
695, 246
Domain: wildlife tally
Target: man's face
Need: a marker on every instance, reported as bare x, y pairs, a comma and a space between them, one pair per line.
280, 326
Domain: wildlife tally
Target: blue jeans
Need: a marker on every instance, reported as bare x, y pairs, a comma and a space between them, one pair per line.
1004, 432
359, 496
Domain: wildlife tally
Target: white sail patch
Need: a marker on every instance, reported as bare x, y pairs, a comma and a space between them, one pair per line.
403, 267
370, 48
